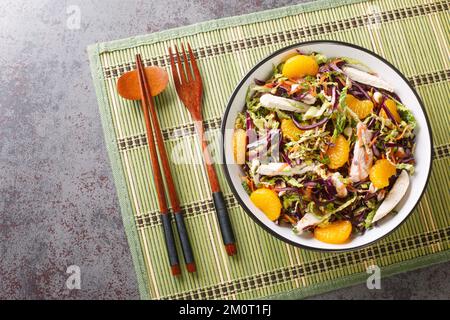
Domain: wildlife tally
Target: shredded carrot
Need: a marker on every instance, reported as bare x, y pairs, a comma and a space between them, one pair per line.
359, 135
400, 153
342, 81
295, 88
392, 159
288, 82
308, 192
285, 86
294, 91
373, 141
290, 219
269, 85
283, 167
403, 133
251, 184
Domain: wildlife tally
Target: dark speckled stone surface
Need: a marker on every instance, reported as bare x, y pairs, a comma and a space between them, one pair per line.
58, 205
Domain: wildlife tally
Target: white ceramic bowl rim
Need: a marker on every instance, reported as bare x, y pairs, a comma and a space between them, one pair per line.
223, 128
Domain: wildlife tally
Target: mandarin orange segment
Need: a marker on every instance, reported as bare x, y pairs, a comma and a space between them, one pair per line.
361, 107
299, 66
239, 145
268, 202
290, 130
392, 106
380, 173
338, 154
337, 232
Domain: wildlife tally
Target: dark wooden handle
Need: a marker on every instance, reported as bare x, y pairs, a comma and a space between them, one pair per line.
219, 202
224, 218
185, 243
170, 244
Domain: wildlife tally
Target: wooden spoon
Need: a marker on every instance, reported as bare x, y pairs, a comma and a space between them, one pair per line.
128, 83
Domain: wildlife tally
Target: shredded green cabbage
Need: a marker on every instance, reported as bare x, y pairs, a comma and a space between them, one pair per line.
406, 115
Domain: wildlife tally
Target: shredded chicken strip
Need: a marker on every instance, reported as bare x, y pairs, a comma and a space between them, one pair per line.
362, 154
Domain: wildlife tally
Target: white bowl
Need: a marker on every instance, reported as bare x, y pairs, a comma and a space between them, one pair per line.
403, 89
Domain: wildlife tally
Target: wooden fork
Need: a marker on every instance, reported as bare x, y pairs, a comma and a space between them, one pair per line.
189, 86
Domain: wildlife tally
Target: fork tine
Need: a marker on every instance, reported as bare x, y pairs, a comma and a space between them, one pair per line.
176, 78
180, 67
187, 64
194, 64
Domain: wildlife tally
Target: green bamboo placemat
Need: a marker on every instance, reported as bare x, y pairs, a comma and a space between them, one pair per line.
413, 34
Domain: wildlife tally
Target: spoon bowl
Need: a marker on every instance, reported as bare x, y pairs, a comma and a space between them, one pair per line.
128, 83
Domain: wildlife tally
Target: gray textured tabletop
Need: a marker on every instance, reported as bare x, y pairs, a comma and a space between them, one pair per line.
58, 205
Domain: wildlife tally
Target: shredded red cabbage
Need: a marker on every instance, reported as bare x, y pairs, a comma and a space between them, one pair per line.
407, 159
248, 121
371, 123
375, 151
362, 91
310, 184
388, 112
280, 91
299, 96
286, 158
390, 144
334, 67
259, 82
334, 99
310, 126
